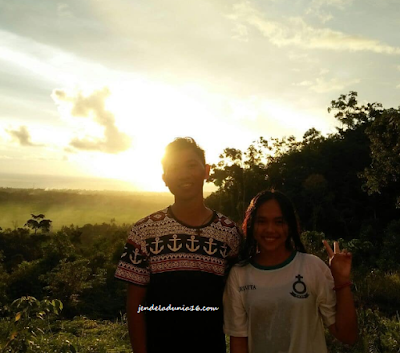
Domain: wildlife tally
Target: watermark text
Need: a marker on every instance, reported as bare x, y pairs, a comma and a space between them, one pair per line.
176, 308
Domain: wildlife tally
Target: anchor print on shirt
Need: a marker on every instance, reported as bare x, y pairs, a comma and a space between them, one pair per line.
210, 243
133, 259
174, 240
156, 249
192, 247
224, 252
125, 252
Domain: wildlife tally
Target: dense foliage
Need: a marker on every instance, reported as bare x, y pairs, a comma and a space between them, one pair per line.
57, 290
74, 266
344, 184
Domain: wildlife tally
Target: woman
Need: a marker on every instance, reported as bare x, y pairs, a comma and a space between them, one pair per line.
276, 299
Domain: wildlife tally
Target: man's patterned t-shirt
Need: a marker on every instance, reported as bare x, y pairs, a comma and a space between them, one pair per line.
181, 266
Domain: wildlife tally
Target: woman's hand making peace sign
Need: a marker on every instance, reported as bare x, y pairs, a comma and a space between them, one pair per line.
345, 328
339, 262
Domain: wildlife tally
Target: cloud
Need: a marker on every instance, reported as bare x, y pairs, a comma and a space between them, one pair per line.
69, 150
296, 32
93, 106
63, 10
318, 8
334, 84
320, 85
303, 84
340, 4
22, 136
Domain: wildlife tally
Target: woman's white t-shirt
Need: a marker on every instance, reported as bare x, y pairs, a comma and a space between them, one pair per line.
281, 309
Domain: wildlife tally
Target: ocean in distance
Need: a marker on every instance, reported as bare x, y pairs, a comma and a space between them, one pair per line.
34, 181
57, 182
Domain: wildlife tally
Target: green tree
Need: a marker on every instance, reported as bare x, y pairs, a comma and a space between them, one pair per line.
68, 280
351, 114
384, 171
4, 276
239, 176
315, 189
23, 281
319, 173
58, 247
390, 259
38, 222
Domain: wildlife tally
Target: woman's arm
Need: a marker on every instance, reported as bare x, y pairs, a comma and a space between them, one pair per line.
345, 328
235, 315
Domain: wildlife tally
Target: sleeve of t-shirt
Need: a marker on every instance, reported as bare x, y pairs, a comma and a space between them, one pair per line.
326, 296
235, 316
234, 243
133, 267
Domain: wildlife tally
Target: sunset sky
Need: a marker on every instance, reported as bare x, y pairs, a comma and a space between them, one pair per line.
99, 87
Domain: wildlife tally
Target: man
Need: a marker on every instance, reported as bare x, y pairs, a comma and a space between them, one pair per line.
175, 261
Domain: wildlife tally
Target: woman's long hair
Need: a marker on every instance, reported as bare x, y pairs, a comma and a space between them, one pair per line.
293, 240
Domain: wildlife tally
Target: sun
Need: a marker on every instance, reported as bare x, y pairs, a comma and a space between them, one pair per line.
141, 168
153, 115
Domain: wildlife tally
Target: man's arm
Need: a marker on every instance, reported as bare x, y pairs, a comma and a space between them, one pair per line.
239, 345
136, 321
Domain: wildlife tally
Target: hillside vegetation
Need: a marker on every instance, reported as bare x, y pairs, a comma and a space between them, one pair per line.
77, 207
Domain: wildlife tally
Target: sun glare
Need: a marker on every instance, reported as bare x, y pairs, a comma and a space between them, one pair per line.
153, 114
142, 170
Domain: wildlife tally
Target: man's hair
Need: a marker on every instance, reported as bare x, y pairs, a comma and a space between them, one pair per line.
179, 144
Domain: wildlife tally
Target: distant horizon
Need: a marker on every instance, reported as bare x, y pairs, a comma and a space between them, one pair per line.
47, 181
78, 183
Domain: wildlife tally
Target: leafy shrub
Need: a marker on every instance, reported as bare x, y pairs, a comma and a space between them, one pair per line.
3, 283
377, 332
361, 250
23, 280
67, 281
96, 336
312, 240
378, 289
390, 259
28, 321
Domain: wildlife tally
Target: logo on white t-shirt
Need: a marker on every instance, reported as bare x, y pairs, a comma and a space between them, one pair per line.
299, 288
247, 287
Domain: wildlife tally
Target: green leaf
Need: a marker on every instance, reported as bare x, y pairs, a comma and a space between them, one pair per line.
18, 316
